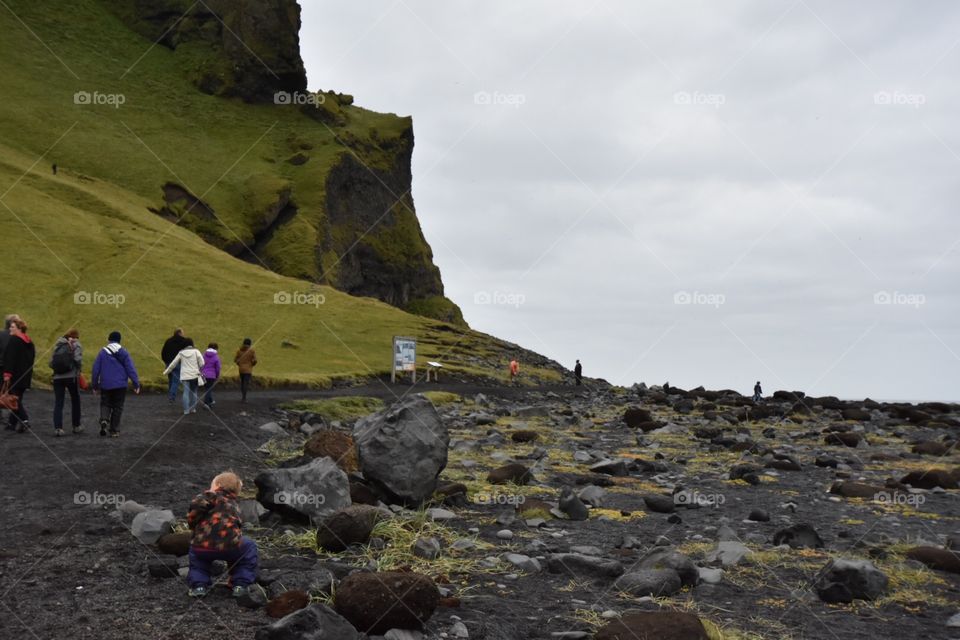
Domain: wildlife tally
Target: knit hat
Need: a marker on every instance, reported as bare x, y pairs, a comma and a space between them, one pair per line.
114, 336
247, 342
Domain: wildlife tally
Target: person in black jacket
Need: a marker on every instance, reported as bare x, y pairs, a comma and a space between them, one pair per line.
174, 345
757, 392
4, 339
18, 357
578, 373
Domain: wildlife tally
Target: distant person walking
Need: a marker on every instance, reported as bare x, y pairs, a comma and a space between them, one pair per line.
211, 373
18, 358
246, 360
514, 371
578, 373
757, 392
190, 362
4, 339
168, 354
66, 362
111, 370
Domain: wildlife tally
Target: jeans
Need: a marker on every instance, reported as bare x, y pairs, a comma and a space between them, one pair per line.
60, 387
241, 563
173, 381
208, 391
189, 395
20, 416
111, 407
245, 384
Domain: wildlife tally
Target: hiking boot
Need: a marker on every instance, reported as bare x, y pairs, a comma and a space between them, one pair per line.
103, 428
23, 427
78, 429
57, 433
197, 592
114, 434
239, 590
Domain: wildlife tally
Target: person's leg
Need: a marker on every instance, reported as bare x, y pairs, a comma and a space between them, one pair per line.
22, 418
186, 396
171, 388
116, 408
194, 395
244, 386
59, 386
74, 390
174, 383
199, 574
208, 392
243, 567
104, 410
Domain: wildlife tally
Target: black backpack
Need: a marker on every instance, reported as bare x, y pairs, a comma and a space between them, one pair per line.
62, 360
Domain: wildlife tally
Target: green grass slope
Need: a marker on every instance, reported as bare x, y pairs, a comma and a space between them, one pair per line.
152, 126
88, 228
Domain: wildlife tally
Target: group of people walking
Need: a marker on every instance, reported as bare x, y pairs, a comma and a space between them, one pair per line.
113, 373
186, 366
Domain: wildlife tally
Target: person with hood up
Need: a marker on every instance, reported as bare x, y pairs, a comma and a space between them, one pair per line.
111, 370
66, 362
190, 361
211, 373
18, 359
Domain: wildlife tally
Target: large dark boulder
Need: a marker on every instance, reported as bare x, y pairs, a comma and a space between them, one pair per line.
654, 625
403, 449
377, 602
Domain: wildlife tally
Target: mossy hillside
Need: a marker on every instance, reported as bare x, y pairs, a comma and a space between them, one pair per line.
232, 155
68, 234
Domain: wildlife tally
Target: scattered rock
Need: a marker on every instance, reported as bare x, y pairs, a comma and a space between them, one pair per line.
316, 622
149, 526
428, 548
649, 582
658, 625
932, 478
513, 472
336, 445
287, 602
936, 558
659, 504
799, 536
579, 565
254, 597
175, 544
350, 525
848, 580
571, 505
313, 491
378, 602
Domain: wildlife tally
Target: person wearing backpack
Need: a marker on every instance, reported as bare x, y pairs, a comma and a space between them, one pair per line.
4, 339
190, 361
66, 362
111, 370
210, 372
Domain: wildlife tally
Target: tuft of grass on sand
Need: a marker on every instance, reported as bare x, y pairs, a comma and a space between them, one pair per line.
344, 408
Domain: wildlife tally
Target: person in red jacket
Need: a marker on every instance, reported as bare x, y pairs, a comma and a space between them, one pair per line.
214, 518
514, 371
18, 358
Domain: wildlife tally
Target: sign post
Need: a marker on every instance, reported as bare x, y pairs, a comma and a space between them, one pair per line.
404, 358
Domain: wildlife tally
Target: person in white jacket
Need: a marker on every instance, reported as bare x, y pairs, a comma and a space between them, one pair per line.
190, 361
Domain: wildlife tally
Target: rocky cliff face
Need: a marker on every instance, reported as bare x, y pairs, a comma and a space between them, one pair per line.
244, 48
335, 205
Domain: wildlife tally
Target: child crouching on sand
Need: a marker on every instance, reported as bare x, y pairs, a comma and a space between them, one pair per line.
214, 519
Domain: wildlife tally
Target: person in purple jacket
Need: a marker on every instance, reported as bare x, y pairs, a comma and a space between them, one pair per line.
111, 370
211, 373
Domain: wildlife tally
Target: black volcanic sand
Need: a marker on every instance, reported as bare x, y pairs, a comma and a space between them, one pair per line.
70, 570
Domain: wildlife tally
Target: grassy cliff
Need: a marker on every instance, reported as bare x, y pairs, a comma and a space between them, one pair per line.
174, 207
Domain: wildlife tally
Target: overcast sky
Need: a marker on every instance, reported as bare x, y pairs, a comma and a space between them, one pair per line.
695, 192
